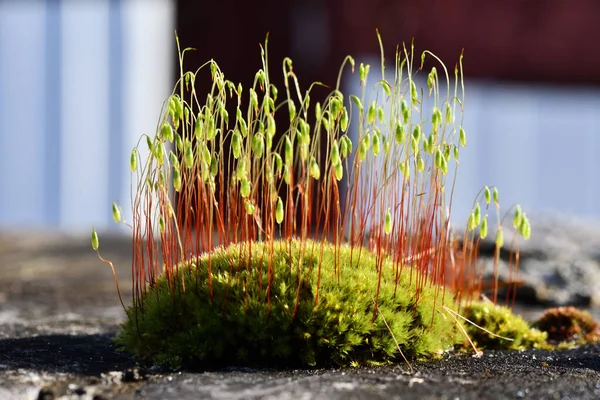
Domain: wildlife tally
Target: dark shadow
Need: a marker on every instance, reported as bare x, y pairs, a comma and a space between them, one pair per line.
78, 354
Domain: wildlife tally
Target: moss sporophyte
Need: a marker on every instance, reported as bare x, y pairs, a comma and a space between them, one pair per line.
246, 250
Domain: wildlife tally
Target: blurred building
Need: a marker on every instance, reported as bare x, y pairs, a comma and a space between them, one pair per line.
80, 81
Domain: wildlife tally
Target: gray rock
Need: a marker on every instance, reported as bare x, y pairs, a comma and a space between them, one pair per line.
559, 264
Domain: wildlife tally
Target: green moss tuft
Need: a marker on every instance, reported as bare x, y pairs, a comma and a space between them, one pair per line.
180, 328
503, 323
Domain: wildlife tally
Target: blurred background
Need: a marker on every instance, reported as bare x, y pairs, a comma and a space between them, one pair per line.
81, 80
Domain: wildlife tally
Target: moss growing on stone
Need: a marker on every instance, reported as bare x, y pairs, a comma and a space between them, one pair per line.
240, 325
508, 330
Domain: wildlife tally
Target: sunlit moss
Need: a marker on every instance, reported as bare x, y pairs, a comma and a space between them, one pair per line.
251, 321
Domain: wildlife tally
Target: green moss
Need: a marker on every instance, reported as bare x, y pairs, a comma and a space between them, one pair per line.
190, 329
503, 323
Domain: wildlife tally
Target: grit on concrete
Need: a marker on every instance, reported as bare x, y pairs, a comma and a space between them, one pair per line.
59, 310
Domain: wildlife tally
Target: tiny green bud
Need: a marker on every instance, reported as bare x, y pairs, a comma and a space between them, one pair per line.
376, 143
318, 113
269, 141
335, 153
206, 154
483, 230
278, 163
420, 163
405, 111
258, 145
435, 121
211, 131
430, 80
525, 227
387, 225
198, 128
305, 129
271, 125
250, 209
477, 214
462, 137
274, 92
315, 171
444, 166
160, 152
380, 113
176, 179
188, 156
243, 128
471, 222
236, 144
161, 223
448, 113
214, 165
245, 188
150, 145
414, 145
279, 211
495, 195
287, 174
487, 194
400, 132
499, 238
456, 153
357, 101
517, 217
417, 133
348, 143
339, 171
174, 160
363, 72
344, 120
343, 147
241, 169
405, 169
253, 99
116, 212
336, 106
95, 242
133, 160
289, 151
386, 145
167, 132
414, 96
371, 112
362, 150
178, 142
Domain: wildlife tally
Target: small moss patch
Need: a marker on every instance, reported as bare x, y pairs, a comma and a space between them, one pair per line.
503, 324
243, 323
568, 326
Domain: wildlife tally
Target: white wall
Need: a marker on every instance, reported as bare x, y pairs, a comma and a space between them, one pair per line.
80, 81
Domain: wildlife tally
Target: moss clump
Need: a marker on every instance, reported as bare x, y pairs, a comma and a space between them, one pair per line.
568, 326
188, 329
504, 325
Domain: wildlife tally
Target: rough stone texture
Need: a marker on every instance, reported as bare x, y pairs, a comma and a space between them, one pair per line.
559, 264
59, 310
